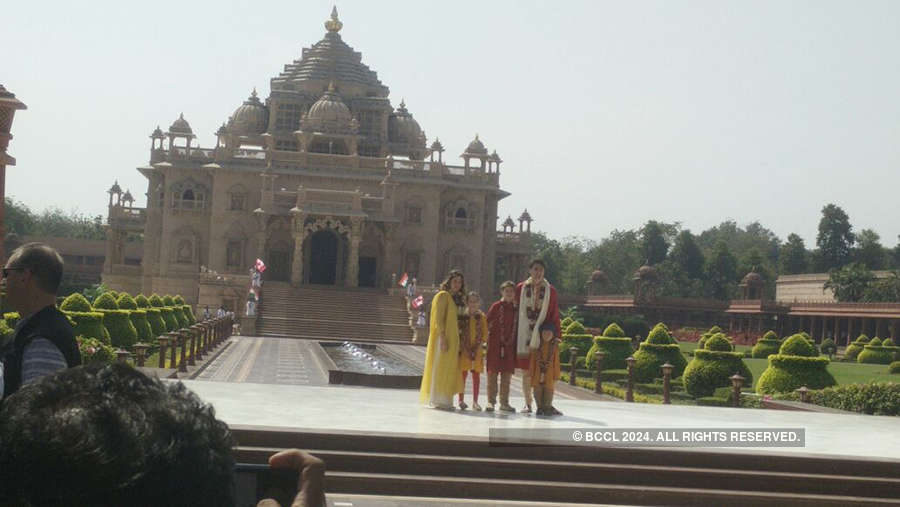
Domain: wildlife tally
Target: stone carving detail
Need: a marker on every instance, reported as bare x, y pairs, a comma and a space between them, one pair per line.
325, 223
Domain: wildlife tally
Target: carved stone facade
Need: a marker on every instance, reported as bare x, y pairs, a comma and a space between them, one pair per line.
324, 181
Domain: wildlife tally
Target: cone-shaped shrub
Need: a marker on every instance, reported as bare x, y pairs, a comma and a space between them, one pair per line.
615, 345
565, 322
876, 353
168, 316
575, 328
11, 319
719, 343
76, 303
168, 300
178, 300
712, 368
126, 302
156, 301
89, 325
142, 325
856, 347
829, 348
178, 312
157, 324
875, 342
105, 301
658, 349
142, 301
121, 331
795, 365
894, 368
766, 346
189, 313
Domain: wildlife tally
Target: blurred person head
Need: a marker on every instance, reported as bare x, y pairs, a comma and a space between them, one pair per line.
32, 275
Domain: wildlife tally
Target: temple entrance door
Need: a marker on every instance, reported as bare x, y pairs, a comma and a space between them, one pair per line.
367, 271
323, 257
278, 265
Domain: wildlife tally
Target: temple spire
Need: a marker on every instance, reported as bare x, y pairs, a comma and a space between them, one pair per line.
334, 25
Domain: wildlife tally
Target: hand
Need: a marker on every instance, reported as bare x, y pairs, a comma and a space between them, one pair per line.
311, 480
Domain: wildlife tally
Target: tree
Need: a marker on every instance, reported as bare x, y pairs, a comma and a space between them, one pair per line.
850, 282
721, 271
884, 290
618, 255
895, 254
870, 252
687, 255
835, 239
653, 242
793, 258
754, 260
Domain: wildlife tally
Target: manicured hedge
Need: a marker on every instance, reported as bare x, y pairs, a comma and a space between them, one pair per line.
616, 349
93, 350
856, 347
719, 343
11, 319
126, 302
105, 301
575, 328
828, 347
178, 312
876, 354
168, 300
6, 332
156, 301
75, 303
874, 398
894, 368
563, 324
658, 349
580, 341
711, 369
155, 319
178, 300
122, 332
142, 301
168, 316
189, 313
786, 373
142, 325
797, 345
89, 325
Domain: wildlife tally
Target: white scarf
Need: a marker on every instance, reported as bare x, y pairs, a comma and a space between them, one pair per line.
528, 337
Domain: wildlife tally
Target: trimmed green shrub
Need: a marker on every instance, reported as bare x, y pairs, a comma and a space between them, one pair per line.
168, 300
93, 350
580, 341
766, 346
797, 345
887, 343
168, 316
715, 329
874, 398
829, 348
179, 301
711, 369
126, 302
142, 301
658, 349
6, 332
141, 325
155, 319
786, 373
894, 368
11, 319
770, 335
155, 301
563, 324
75, 302
105, 301
122, 332
575, 328
616, 349
189, 313
875, 354
719, 343
178, 312
614, 331
856, 347
89, 325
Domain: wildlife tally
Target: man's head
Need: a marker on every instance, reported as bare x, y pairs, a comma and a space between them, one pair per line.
508, 291
32, 274
536, 269
108, 435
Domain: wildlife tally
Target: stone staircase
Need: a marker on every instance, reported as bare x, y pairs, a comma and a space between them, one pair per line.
332, 313
417, 466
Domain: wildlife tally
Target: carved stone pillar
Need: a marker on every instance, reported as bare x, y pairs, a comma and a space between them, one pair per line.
355, 236
299, 234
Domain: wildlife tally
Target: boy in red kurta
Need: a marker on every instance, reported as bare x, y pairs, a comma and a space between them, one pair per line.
501, 355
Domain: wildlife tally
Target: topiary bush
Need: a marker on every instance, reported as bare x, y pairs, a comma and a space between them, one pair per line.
894, 368
93, 350
168, 300
89, 325
75, 303
155, 301
766, 346
126, 302
875, 353
659, 348
856, 347
563, 324
105, 301
155, 319
580, 341
141, 325
122, 332
575, 328
168, 316
614, 331
178, 312
797, 345
712, 369
719, 343
875, 342
829, 348
795, 365
142, 301
189, 313
615, 344
178, 300
11, 319
6, 332
887, 342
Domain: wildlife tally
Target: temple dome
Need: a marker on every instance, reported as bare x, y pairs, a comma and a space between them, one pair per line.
329, 114
752, 279
181, 127
251, 118
599, 276
403, 128
476, 147
646, 272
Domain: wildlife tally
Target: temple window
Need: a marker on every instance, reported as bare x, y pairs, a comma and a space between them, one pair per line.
233, 254
237, 202
288, 116
460, 213
189, 195
414, 214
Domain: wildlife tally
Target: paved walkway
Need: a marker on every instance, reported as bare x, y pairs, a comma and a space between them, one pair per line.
267, 361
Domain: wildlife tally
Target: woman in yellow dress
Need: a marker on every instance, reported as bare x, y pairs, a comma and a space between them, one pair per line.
473, 335
441, 378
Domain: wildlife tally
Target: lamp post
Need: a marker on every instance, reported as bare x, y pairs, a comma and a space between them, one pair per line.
600, 356
140, 351
573, 358
804, 394
667, 377
737, 381
629, 394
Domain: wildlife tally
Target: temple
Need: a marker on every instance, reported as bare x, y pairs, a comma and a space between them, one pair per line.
325, 181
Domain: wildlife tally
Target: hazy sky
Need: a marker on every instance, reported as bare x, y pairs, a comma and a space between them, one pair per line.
606, 114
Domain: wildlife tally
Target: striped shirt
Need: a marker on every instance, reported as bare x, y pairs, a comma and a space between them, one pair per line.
41, 358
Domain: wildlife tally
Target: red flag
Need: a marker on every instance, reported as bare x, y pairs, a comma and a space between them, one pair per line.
419, 301
260, 265
403, 280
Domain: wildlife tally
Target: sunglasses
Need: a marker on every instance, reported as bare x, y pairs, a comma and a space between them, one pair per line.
7, 270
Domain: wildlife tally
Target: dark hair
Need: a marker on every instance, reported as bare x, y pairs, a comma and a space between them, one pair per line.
445, 285
109, 435
43, 261
537, 261
508, 283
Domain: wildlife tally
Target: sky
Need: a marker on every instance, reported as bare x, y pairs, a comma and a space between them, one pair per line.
606, 114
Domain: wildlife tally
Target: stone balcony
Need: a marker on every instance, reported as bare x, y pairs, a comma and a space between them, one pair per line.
127, 218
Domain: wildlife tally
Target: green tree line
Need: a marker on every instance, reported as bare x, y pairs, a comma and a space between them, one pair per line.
20, 219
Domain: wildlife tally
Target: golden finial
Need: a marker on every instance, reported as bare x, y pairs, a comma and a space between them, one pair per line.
334, 24
331, 86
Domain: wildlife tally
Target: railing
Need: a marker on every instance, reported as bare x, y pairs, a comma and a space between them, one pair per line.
127, 216
251, 153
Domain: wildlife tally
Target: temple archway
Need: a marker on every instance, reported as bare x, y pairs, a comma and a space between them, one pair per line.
323, 257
